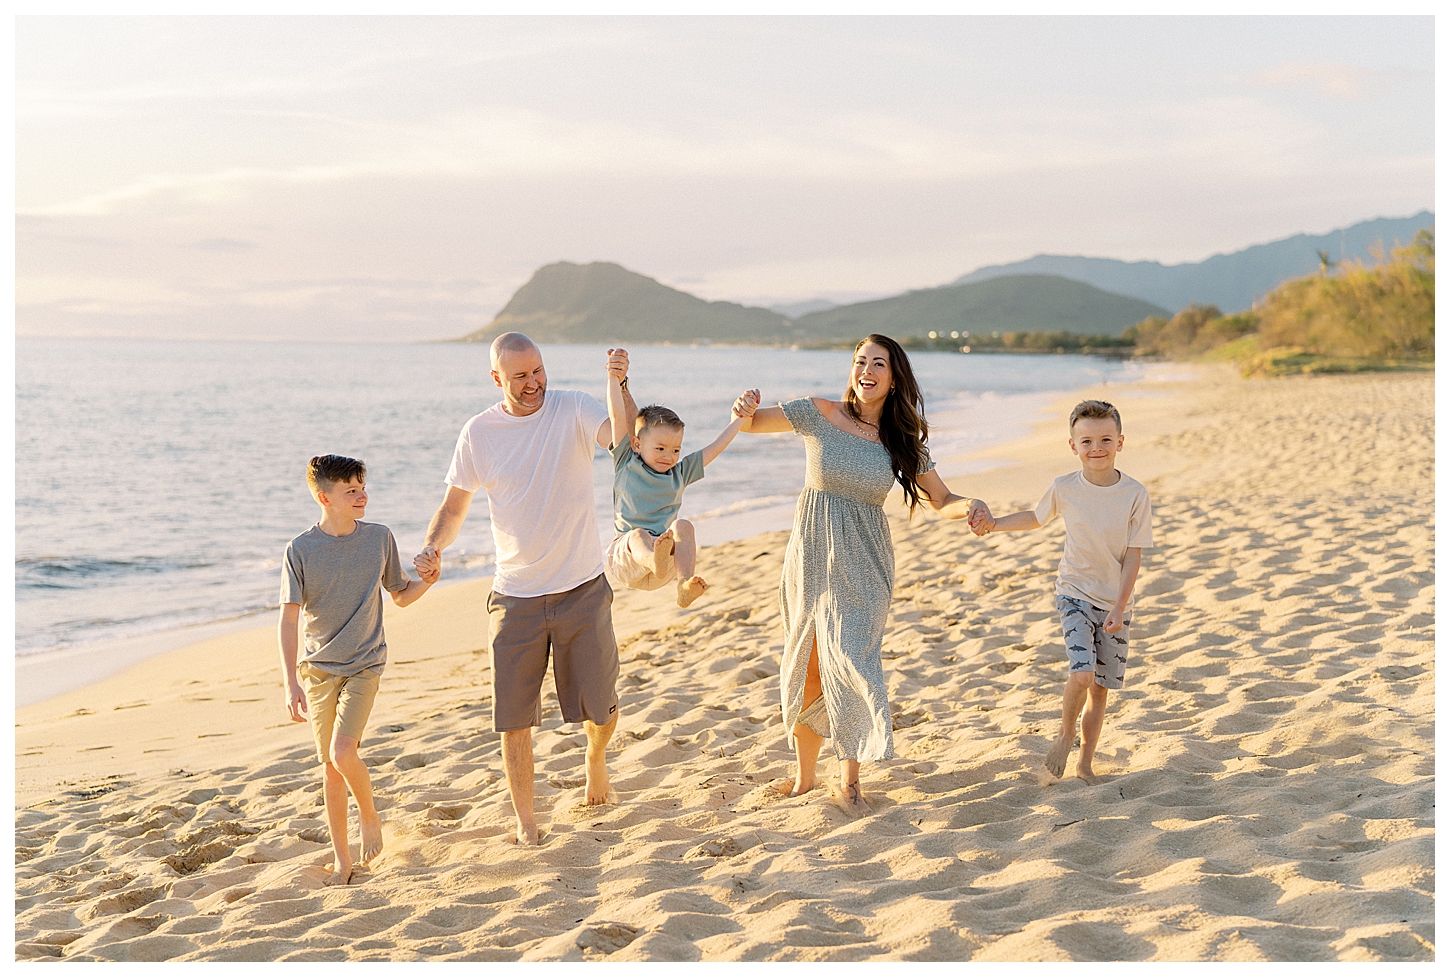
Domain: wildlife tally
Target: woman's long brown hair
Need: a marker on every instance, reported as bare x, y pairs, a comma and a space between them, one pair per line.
902, 426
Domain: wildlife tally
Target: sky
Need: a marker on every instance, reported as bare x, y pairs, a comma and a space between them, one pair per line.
393, 178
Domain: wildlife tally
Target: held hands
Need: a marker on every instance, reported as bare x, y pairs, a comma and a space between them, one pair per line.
429, 565
617, 365
980, 519
745, 404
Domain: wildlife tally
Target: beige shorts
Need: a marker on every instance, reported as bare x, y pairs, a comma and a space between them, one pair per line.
626, 571
338, 705
576, 629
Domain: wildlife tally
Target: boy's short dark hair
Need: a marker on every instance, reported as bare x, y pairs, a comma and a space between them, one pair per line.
325, 471
655, 414
1094, 409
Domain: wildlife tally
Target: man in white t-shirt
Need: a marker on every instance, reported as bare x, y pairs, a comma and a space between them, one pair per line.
1109, 521
533, 454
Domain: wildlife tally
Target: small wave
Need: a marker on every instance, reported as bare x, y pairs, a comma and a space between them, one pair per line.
79, 571
748, 505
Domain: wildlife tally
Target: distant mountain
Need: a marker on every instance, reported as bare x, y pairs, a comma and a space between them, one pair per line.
1233, 282
1013, 303
601, 302
794, 310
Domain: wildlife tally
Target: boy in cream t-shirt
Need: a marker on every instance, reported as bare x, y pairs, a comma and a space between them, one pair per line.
1109, 520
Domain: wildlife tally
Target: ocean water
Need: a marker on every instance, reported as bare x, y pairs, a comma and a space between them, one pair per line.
157, 483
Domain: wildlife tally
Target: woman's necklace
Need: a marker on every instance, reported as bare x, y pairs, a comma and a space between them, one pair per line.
874, 435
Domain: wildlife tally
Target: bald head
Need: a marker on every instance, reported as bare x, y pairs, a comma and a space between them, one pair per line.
518, 368
511, 342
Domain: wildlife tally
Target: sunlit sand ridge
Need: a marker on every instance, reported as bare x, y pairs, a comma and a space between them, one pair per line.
1268, 775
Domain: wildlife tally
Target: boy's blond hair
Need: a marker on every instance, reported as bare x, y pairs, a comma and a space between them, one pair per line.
1093, 410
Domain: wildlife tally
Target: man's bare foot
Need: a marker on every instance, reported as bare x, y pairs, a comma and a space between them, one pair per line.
664, 552
1085, 773
596, 781
849, 797
526, 835
1057, 756
341, 874
686, 591
372, 840
787, 787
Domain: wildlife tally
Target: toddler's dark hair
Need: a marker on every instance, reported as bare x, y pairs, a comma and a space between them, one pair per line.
655, 414
325, 471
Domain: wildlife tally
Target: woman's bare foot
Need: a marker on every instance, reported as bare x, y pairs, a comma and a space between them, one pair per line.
688, 591
1057, 756
664, 553
850, 798
372, 840
786, 787
341, 874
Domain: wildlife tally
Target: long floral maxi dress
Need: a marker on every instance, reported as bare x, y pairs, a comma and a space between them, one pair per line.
836, 585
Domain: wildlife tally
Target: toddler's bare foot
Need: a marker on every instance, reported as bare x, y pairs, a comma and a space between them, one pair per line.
1057, 756
664, 552
687, 591
372, 840
850, 798
341, 874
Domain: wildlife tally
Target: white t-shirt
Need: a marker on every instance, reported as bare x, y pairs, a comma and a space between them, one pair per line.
539, 474
1102, 521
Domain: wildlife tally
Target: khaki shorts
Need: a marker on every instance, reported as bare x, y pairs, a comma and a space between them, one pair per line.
577, 628
628, 572
338, 705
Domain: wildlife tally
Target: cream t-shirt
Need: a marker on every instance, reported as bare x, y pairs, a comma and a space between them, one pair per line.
1102, 522
538, 472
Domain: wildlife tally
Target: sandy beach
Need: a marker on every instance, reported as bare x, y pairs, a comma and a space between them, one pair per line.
1268, 789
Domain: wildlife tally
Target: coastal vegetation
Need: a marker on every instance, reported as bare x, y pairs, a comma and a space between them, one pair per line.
1349, 317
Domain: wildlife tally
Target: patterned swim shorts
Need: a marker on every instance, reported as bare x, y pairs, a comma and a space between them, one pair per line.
1089, 647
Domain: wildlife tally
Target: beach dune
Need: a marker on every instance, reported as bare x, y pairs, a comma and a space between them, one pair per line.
1268, 789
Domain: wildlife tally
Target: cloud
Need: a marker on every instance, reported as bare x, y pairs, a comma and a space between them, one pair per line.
1338, 80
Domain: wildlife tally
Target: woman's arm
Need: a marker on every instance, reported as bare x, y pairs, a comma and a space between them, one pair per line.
944, 500
766, 420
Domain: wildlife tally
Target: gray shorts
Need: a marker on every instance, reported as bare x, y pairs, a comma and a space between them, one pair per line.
576, 627
1089, 647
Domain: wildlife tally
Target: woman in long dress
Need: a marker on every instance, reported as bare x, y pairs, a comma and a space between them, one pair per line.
835, 590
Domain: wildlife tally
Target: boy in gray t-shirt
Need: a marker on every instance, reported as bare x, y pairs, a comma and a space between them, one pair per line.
1109, 521
331, 576
653, 546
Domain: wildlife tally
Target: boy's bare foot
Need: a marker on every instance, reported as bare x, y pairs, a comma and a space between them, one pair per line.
526, 835
849, 797
1057, 756
596, 781
1085, 773
372, 840
687, 591
786, 787
341, 875
664, 552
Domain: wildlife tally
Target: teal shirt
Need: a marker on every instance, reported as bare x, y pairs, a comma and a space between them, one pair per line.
645, 498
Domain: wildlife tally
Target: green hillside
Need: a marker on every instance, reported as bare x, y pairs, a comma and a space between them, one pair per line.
1013, 303
601, 303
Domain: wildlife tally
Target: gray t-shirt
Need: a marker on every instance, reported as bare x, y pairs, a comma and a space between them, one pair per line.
1103, 522
335, 579
645, 498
